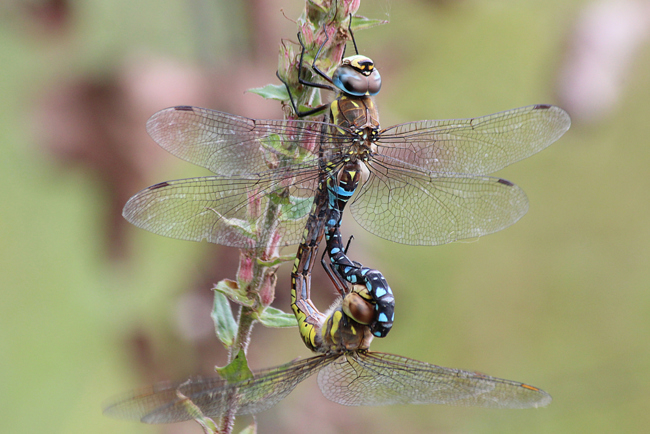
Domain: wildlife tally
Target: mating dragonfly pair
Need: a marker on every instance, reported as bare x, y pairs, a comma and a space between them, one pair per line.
419, 183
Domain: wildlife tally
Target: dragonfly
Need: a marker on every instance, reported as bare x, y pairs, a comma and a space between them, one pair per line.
344, 274
423, 182
348, 374
343, 271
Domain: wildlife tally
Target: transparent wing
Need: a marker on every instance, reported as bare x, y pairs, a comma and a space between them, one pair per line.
225, 210
383, 379
231, 145
476, 146
161, 403
429, 209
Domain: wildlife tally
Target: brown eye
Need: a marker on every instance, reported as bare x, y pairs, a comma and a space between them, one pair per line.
358, 309
374, 83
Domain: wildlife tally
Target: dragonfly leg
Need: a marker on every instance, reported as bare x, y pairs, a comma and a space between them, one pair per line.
314, 66
347, 246
299, 113
339, 282
356, 50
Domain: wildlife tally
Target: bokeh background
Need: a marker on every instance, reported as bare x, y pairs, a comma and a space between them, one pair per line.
91, 307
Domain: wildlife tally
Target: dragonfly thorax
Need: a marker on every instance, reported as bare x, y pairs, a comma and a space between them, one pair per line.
357, 76
340, 332
364, 142
357, 119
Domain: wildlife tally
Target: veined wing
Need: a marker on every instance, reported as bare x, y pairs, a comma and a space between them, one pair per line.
417, 208
162, 403
226, 210
370, 378
476, 146
231, 145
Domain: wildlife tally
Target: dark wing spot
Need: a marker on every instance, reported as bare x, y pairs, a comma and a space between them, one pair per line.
159, 185
543, 106
186, 108
505, 182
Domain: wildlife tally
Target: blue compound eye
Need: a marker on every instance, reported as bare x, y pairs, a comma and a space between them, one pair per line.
357, 76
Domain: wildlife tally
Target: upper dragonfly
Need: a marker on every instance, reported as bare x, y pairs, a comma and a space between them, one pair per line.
424, 182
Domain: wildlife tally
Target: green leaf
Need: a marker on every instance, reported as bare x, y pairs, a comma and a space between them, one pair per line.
231, 289
292, 207
237, 370
308, 57
271, 91
295, 208
244, 227
208, 425
285, 148
272, 317
278, 260
362, 23
224, 322
279, 148
250, 429
275, 144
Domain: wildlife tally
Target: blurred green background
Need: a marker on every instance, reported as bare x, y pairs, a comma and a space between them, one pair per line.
91, 307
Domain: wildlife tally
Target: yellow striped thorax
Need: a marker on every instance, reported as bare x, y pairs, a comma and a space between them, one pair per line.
358, 114
344, 328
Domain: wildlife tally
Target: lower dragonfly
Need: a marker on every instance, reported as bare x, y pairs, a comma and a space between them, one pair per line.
348, 374
333, 193
343, 271
341, 268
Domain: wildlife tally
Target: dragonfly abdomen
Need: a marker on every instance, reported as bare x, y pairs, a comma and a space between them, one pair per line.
309, 318
378, 290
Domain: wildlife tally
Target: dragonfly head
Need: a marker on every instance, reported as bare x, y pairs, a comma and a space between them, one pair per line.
358, 308
357, 76
341, 329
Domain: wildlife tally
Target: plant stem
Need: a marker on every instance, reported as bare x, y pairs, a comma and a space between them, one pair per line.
319, 22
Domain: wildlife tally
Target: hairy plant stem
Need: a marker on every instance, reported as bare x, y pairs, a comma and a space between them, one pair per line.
318, 23
245, 323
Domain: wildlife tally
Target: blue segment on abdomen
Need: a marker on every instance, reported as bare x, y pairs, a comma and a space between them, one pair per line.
337, 190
